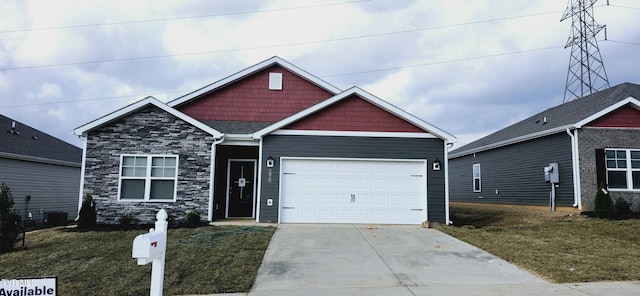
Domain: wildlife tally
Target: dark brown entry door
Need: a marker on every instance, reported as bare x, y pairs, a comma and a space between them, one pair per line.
241, 188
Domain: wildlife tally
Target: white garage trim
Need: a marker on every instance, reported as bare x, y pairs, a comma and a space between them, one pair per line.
332, 190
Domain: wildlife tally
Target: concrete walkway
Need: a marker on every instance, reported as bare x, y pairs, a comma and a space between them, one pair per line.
397, 260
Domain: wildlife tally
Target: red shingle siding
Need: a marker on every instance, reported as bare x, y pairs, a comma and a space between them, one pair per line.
251, 100
626, 116
354, 114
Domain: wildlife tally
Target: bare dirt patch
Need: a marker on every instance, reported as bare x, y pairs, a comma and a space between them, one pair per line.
481, 215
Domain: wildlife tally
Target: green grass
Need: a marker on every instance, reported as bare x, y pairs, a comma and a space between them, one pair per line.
575, 249
199, 260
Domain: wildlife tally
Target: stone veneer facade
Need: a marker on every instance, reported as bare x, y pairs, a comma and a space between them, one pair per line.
590, 139
150, 130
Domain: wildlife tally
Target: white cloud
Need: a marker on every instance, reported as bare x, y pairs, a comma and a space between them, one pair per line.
48, 91
438, 74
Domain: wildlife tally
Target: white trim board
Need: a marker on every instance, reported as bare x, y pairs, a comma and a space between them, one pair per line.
353, 134
84, 129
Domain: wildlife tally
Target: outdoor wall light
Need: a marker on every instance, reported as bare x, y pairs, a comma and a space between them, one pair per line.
270, 161
436, 165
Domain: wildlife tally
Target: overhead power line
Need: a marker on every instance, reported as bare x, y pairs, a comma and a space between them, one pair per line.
279, 45
444, 62
94, 99
178, 17
323, 76
623, 42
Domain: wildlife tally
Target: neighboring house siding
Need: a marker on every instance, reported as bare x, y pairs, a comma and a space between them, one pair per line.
590, 139
516, 172
626, 116
352, 147
148, 131
51, 187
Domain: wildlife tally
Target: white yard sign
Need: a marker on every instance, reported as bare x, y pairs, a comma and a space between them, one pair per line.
29, 286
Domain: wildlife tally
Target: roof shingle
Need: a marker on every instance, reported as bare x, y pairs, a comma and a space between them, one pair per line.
563, 115
27, 141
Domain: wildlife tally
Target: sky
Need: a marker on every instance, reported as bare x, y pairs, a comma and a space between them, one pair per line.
469, 67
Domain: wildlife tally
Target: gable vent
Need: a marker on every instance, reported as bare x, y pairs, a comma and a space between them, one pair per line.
275, 81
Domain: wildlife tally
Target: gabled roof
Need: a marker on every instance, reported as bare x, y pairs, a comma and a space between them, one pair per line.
365, 96
573, 114
20, 141
251, 70
82, 130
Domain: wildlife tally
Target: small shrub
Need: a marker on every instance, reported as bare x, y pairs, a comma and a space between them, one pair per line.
9, 220
171, 221
88, 214
191, 219
126, 220
623, 207
603, 205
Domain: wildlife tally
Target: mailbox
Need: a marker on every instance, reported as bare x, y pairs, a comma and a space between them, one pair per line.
150, 246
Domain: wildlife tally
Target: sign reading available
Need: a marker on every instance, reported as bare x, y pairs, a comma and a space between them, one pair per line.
29, 286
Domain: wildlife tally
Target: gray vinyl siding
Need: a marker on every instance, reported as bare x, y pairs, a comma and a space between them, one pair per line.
51, 187
352, 147
516, 172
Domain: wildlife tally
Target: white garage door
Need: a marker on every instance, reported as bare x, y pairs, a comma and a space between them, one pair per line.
353, 191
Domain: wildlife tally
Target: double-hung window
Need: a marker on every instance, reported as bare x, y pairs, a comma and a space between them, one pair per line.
148, 177
476, 178
623, 169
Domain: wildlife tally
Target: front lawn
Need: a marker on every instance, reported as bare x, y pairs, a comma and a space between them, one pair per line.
561, 247
204, 260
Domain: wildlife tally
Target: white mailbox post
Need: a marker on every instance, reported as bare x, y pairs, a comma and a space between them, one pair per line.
151, 247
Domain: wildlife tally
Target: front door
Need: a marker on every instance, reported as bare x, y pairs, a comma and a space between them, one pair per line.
241, 185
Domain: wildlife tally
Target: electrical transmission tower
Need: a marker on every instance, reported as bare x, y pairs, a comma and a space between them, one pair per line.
586, 73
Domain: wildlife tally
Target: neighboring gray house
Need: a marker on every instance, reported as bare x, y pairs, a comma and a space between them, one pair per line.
594, 139
40, 166
271, 143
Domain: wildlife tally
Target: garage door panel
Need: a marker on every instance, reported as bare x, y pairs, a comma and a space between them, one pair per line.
327, 183
309, 199
353, 191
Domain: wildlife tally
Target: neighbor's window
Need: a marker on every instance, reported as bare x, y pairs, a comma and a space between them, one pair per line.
476, 178
623, 168
148, 177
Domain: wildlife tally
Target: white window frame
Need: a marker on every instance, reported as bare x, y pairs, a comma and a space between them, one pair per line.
148, 178
629, 170
479, 178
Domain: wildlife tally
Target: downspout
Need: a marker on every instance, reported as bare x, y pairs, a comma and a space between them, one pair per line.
212, 175
447, 145
82, 168
575, 162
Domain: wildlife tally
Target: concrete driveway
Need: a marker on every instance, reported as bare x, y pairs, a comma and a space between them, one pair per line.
396, 260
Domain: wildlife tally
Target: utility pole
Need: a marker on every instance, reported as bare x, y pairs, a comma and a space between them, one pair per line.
586, 73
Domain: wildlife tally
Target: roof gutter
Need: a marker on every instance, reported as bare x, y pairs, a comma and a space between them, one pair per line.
40, 159
575, 163
513, 141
